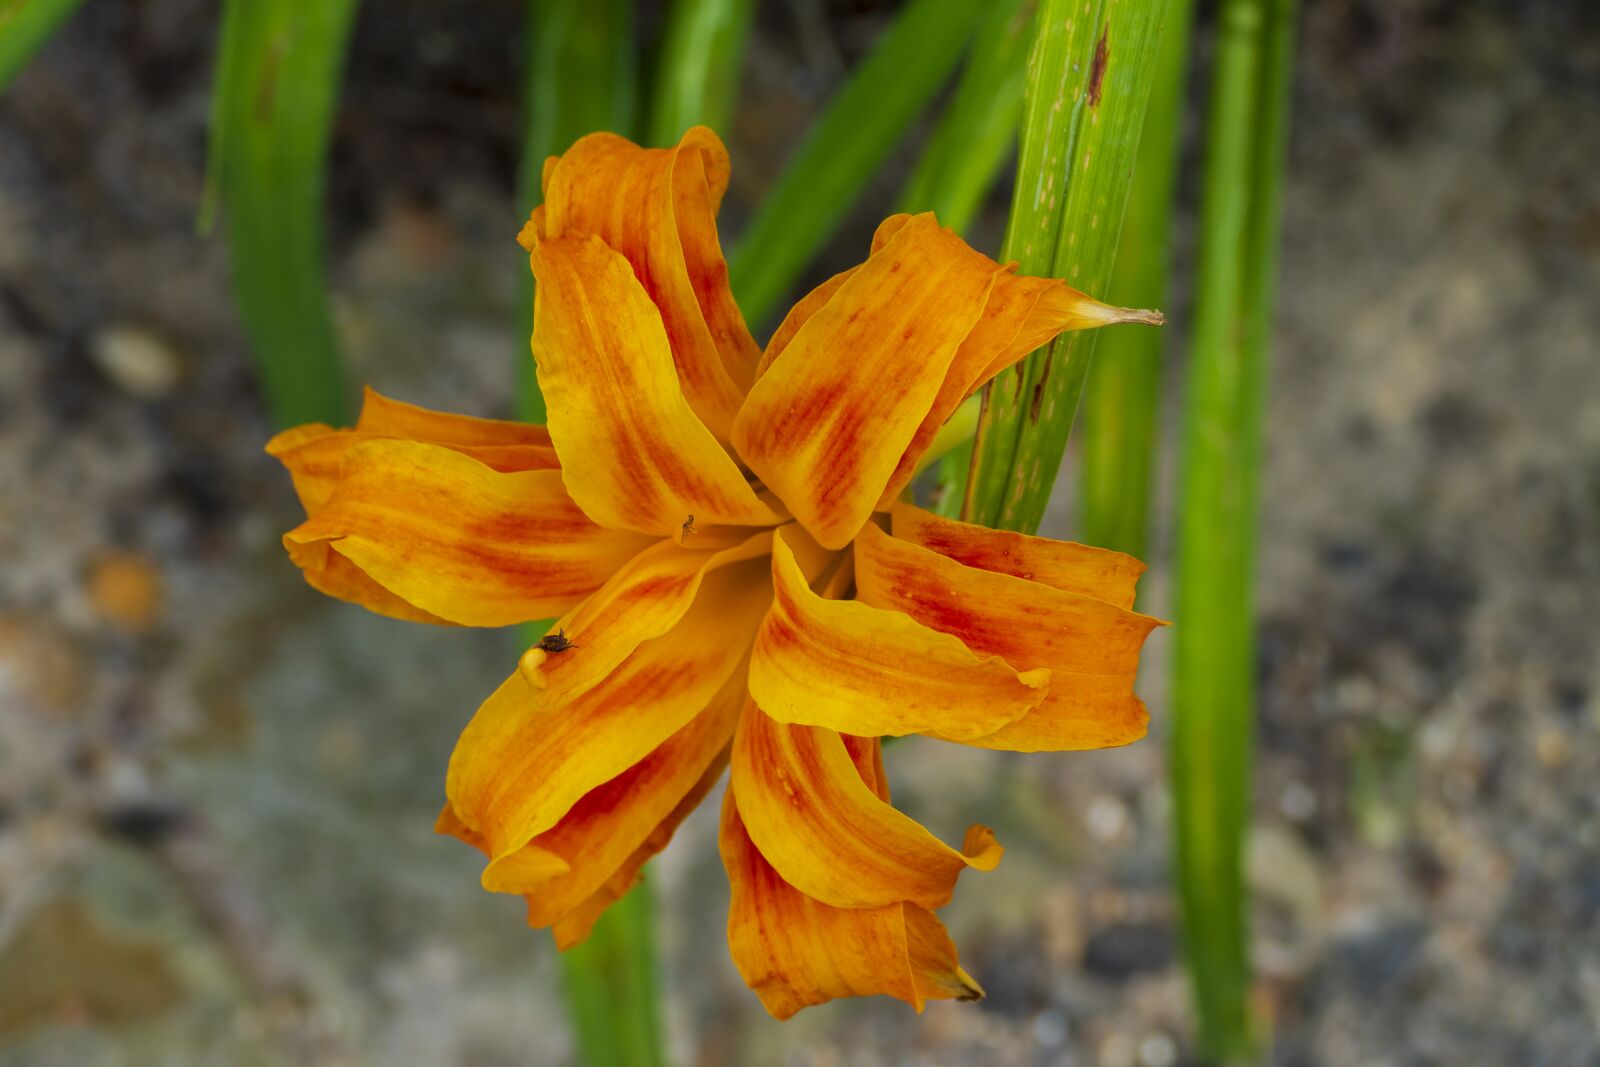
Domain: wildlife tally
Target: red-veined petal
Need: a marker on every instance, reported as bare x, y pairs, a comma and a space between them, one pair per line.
807, 807
527, 757
828, 422
1091, 647
658, 208
1074, 568
612, 821
634, 455
642, 600
794, 951
574, 927
455, 539
862, 670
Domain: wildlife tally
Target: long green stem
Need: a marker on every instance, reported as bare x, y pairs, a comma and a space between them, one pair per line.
611, 986
855, 133
1214, 693
1122, 398
277, 85
581, 78
1089, 78
701, 59
25, 25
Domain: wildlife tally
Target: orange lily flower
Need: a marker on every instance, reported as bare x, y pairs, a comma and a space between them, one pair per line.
719, 532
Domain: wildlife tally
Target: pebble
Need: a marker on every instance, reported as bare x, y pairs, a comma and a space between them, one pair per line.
1157, 1050
139, 361
125, 589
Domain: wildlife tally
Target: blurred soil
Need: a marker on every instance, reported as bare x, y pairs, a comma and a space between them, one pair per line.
217, 789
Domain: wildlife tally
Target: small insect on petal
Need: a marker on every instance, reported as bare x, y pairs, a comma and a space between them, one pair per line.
688, 528
556, 642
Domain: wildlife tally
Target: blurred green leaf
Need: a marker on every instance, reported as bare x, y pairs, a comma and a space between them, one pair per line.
854, 134
1089, 78
272, 107
581, 77
1214, 661
1123, 395
978, 129
25, 25
612, 992
701, 60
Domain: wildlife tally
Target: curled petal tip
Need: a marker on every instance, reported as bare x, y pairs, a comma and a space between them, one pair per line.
1147, 316
528, 666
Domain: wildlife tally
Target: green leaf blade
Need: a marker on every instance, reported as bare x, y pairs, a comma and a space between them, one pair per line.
273, 103
1214, 659
25, 25
1122, 398
701, 60
1088, 84
854, 135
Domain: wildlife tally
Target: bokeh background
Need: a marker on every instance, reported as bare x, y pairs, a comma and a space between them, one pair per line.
217, 788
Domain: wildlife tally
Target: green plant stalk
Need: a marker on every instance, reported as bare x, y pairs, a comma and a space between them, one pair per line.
855, 133
277, 86
25, 25
1214, 659
581, 77
963, 156
1122, 399
611, 986
701, 59
1089, 79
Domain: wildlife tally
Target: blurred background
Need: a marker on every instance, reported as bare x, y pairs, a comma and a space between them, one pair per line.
217, 788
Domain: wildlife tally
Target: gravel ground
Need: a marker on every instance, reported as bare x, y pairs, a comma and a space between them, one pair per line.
217, 789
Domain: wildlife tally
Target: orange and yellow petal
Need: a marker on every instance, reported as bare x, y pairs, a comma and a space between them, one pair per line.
1091, 647
798, 316
612, 821
658, 208
805, 804
634, 454
528, 756
455, 539
1022, 314
644, 599
332, 575
795, 951
315, 453
574, 927
1065, 565
388, 417
859, 669
827, 423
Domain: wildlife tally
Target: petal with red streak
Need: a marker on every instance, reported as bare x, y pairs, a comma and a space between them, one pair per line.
634, 454
611, 822
528, 756
1065, 565
794, 951
658, 208
1091, 647
454, 539
574, 927
827, 423
821, 826
641, 601
858, 669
